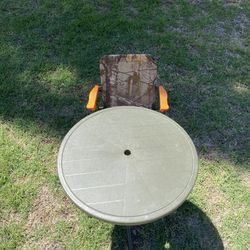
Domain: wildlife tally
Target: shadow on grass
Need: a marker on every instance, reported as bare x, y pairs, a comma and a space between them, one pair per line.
187, 228
53, 107
49, 57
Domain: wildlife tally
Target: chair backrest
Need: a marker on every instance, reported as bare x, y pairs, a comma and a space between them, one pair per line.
128, 80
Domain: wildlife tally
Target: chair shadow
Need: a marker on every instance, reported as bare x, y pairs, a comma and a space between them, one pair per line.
187, 228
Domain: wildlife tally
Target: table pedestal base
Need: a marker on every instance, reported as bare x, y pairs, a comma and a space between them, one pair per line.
129, 238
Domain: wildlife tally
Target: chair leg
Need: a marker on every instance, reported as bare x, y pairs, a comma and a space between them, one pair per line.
129, 238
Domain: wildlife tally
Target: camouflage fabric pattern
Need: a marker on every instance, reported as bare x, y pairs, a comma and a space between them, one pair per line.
128, 80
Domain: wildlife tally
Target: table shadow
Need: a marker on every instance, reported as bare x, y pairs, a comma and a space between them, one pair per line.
187, 228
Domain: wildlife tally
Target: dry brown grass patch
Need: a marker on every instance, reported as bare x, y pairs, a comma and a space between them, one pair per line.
43, 244
245, 178
47, 210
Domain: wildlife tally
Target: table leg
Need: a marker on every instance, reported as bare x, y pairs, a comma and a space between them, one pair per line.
129, 238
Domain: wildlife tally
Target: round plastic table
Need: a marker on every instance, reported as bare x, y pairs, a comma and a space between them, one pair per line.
127, 165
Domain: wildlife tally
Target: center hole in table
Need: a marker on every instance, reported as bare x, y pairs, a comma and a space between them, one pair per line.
127, 152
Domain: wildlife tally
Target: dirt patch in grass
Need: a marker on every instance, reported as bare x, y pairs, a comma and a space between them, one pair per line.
10, 218
215, 198
43, 244
245, 178
48, 209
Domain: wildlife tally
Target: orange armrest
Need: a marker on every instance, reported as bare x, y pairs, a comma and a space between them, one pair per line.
91, 105
163, 99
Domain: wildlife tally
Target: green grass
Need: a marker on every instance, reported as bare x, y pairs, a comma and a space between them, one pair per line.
49, 59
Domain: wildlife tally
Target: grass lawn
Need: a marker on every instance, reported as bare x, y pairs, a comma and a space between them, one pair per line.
49, 58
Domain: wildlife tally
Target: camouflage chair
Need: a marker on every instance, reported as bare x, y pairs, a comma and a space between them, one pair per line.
128, 80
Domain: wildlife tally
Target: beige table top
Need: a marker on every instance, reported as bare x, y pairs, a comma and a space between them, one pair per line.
127, 165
